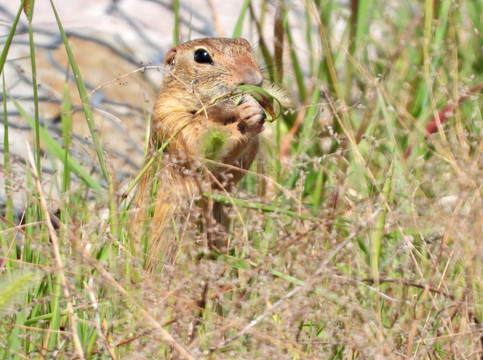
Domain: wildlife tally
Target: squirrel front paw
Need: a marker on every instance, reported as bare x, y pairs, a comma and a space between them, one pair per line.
250, 115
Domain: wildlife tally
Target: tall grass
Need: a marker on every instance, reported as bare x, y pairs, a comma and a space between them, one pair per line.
360, 231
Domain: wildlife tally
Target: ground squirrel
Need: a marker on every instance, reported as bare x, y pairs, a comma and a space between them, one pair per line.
196, 72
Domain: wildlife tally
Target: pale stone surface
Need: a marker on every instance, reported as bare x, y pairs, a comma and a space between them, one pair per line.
111, 41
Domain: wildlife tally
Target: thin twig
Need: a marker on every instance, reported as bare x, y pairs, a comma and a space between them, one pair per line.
216, 18
413, 284
377, 291
142, 69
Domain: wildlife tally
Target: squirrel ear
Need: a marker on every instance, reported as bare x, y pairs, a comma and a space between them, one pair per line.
169, 60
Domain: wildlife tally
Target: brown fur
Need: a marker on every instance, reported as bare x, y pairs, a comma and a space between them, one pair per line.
187, 87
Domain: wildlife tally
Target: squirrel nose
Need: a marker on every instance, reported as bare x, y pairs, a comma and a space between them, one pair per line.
251, 77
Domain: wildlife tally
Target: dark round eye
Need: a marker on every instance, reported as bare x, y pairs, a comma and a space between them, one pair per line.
203, 57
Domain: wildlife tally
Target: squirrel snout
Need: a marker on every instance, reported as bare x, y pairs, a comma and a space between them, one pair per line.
251, 76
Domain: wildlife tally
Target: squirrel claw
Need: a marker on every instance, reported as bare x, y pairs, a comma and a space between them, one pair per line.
250, 115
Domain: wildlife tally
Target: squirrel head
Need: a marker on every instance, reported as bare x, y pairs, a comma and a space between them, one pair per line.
209, 67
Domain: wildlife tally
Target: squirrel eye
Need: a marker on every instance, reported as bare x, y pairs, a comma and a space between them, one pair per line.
202, 56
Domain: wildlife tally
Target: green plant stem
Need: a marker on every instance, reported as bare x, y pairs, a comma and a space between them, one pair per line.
55, 312
176, 22
334, 84
297, 69
239, 24
66, 119
113, 203
57, 150
150, 162
231, 201
6, 162
35, 92
58, 259
378, 233
8, 42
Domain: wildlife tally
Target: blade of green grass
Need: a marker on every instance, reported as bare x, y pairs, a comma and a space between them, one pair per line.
154, 157
55, 312
8, 42
360, 18
297, 69
363, 18
287, 278
255, 206
58, 152
239, 24
113, 206
9, 249
14, 343
29, 11
6, 161
266, 55
51, 341
311, 121
66, 120
330, 69
378, 233
84, 98
176, 22
15, 289
318, 190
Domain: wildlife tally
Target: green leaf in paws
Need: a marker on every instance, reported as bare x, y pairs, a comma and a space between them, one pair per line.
213, 144
272, 105
263, 97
